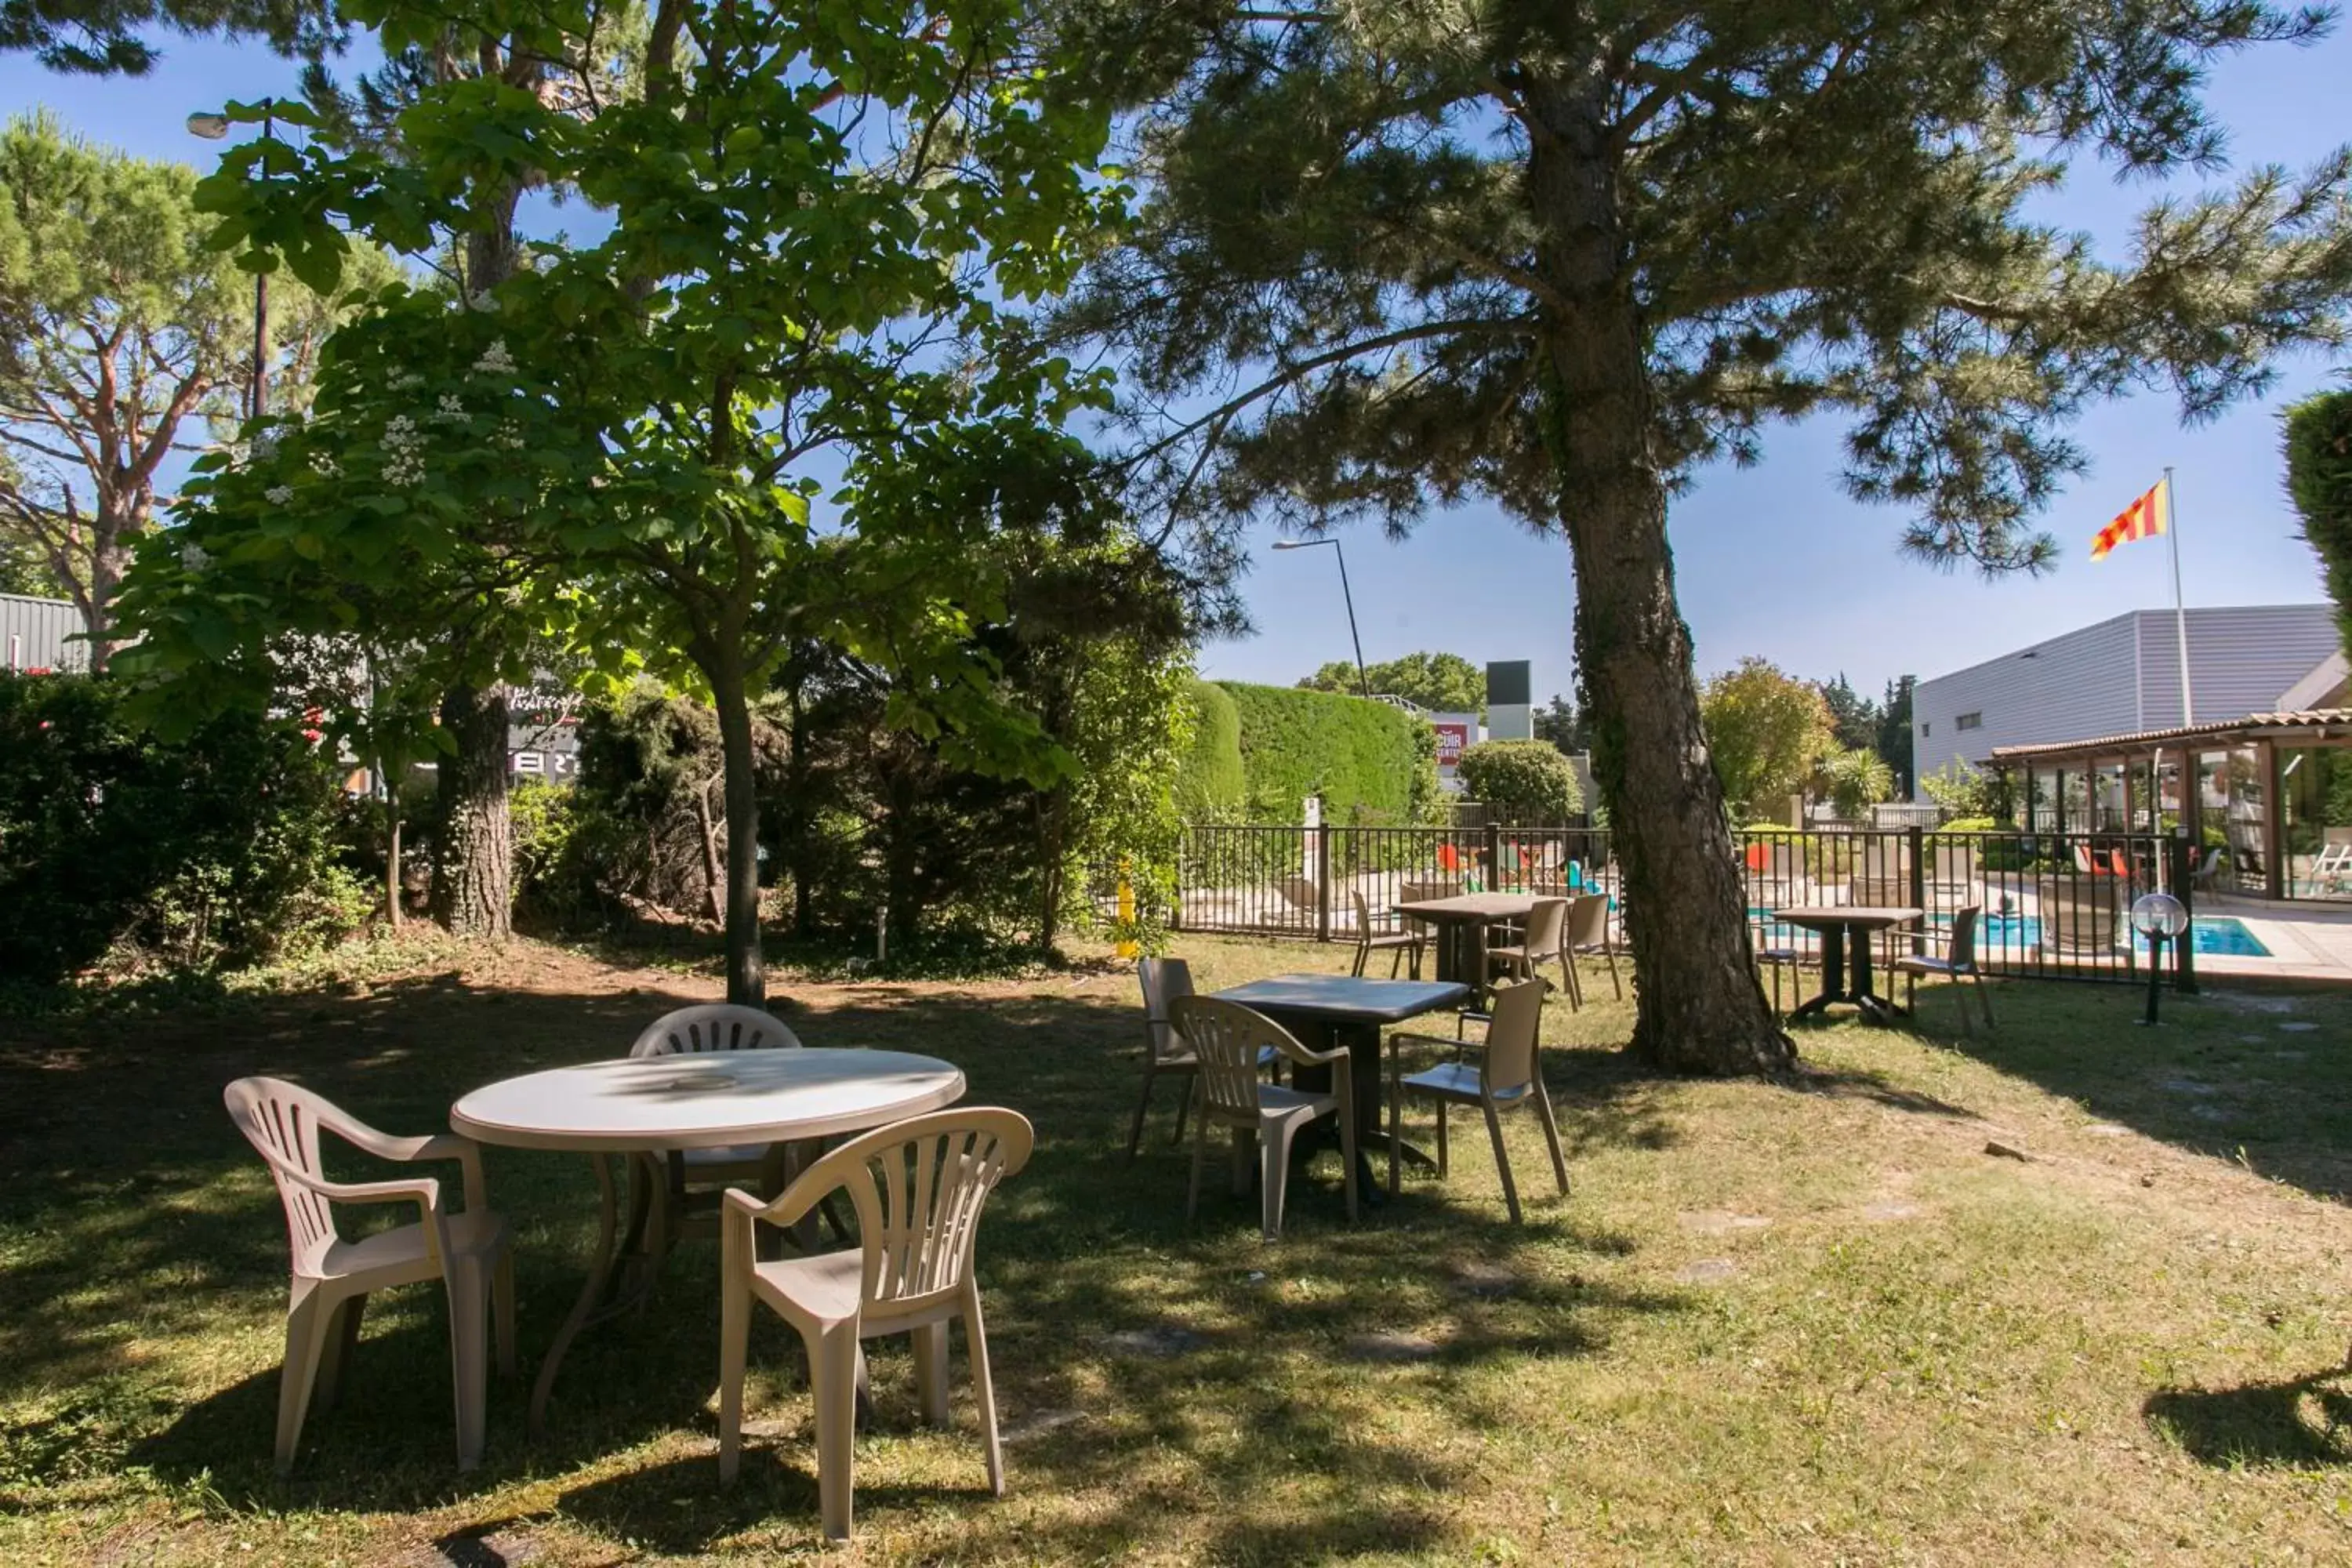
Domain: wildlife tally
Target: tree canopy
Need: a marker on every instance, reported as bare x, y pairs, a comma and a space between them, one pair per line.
120, 332
1396, 257
100, 37
1441, 682
788, 395
1765, 732
2319, 482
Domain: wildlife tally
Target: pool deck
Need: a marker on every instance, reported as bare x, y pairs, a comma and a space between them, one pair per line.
2306, 941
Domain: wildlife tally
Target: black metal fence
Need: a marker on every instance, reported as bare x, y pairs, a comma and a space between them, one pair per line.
2055, 905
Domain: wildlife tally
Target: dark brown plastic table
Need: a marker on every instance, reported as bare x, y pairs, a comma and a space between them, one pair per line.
1846, 930
1325, 1010
1462, 922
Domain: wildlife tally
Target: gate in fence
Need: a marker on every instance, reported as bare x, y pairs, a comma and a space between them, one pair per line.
2053, 905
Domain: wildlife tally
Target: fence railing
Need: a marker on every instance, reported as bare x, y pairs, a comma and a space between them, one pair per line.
2055, 905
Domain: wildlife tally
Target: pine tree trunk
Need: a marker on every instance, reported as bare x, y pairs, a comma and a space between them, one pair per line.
473, 871
747, 975
1699, 1006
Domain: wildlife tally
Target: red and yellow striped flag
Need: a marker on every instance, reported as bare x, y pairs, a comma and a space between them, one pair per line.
2144, 519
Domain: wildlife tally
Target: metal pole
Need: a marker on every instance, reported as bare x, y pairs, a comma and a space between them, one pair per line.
1363, 683
2179, 611
260, 391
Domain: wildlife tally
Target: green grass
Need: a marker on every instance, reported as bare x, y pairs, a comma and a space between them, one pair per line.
1769, 1325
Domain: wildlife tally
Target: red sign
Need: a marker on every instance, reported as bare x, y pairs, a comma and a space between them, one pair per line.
1451, 738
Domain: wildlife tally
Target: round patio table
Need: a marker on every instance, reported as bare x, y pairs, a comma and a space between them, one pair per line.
638, 1109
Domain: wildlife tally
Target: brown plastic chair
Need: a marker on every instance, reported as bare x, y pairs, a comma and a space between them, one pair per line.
1587, 933
1958, 963
1546, 938
705, 1174
1405, 944
1775, 959
333, 1278
1164, 1051
1508, 1074
1229, 1039
918, 1186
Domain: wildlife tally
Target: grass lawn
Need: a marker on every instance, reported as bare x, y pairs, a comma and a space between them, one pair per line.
1768, 1326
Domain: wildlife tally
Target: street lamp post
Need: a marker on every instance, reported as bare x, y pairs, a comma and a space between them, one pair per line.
1363, 683
213, 126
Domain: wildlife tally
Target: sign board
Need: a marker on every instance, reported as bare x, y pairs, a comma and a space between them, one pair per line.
1455, 733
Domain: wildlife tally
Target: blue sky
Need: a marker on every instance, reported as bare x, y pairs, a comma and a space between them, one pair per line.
1773, 560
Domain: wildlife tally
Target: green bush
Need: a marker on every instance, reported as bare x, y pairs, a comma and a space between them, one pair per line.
2319, 482
1209, 780
1365, 759
215, 852
1526, 782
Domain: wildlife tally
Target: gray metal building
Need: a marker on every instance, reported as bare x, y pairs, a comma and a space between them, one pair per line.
34, 633
2119, 677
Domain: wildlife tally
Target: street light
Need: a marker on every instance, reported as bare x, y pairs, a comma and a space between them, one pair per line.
2159, 917
212, 125
1363, 683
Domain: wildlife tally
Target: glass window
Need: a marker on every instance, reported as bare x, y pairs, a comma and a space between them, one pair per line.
1968, 721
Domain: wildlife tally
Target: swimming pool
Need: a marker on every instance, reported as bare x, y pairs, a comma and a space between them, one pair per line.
2220, 936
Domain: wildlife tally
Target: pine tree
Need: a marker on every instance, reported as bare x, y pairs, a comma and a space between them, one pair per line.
1397, 257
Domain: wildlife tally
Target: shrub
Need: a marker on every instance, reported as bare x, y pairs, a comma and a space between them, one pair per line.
213, 852
2319, 483
1209, 781
1363, 758
1963, 790
1529, 782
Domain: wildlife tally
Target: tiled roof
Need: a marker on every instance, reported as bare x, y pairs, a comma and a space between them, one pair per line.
2325, 720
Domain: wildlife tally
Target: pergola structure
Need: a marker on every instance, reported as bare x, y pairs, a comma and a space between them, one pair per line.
2150, 759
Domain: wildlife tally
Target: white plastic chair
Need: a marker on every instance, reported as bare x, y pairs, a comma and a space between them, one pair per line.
918, 1186
467, 1250
1508, 1074
1164, 1051
1229, 1039
705, 1172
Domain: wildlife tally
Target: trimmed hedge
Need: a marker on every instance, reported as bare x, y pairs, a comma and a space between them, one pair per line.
1209, 780
2319, 482
1366, 759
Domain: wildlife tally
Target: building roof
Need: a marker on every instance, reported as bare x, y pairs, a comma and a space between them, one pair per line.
2305, 725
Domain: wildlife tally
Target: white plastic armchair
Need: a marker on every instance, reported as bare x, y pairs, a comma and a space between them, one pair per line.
705, 1172
467, 1250
1229, 1039
919, 1187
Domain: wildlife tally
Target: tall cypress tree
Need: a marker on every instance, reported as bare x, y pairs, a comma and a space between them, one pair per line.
1557, 255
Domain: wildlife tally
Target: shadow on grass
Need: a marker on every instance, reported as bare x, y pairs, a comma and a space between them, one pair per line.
2238, 1073
2303, 1423
135, 1217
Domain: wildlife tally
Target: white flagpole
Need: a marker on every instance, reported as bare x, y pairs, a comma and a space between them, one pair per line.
2179, 611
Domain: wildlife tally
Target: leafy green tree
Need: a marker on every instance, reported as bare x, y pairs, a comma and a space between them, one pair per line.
1441, 682
1894, 733
2319, 482
1853, 718
101, 37
1765, 729
1966, 793
1397, 257
823, 221
1855, 778
120, 332
1562, 723
1529, 783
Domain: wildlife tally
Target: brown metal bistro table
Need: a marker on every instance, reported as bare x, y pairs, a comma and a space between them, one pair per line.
1845, 931
1462, 922
1324, 1010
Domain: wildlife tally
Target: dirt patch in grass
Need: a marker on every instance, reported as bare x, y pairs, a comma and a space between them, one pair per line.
1768, 1325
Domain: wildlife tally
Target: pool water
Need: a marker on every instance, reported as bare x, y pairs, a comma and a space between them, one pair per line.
2219, 935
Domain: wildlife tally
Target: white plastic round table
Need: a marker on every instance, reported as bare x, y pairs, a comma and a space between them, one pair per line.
707, 1099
